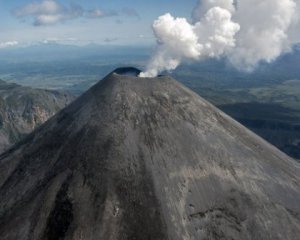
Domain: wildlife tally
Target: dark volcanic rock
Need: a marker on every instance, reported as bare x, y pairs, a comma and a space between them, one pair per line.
147, 159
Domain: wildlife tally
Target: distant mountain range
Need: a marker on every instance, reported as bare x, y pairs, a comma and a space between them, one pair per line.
22, 109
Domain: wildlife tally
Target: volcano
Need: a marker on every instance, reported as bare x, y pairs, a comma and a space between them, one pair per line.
146, 159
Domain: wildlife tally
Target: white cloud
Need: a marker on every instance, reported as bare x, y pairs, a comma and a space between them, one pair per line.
245, 31
8, 44
110, 40
96, 13
46, 7
131, 12
66, 40
264, 34
203, 6
100, 13
216, 32
50, 12
179, 40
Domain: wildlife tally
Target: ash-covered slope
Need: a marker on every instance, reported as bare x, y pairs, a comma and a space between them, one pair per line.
143, 159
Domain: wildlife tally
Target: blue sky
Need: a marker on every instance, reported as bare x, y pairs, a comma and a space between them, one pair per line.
121, 22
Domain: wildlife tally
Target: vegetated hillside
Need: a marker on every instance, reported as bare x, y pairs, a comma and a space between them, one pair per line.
137, 158
22, 109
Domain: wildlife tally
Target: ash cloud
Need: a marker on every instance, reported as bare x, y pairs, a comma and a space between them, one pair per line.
245, 31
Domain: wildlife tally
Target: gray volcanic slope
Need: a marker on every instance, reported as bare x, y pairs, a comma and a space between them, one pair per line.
146, 159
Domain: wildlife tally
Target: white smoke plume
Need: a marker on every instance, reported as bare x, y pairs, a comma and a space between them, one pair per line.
264, 33
245, 31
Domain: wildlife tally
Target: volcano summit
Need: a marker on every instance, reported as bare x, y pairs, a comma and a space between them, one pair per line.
146, 158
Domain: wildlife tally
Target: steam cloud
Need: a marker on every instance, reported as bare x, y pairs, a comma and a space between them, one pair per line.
245, 31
